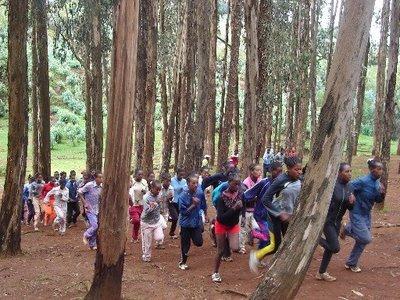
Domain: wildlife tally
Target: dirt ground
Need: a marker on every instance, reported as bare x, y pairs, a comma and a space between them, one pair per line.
55, 266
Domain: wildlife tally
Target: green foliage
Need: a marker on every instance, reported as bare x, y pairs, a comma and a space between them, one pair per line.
67, 118
77, 106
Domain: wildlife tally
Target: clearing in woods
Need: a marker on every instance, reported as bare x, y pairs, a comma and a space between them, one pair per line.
55, 266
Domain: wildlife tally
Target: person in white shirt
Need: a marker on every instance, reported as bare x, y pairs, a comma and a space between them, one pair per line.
138, 189
61, 195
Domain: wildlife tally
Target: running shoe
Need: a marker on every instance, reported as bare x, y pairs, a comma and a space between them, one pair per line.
183, 266
216, 278
253, 262
355, 269
325, 277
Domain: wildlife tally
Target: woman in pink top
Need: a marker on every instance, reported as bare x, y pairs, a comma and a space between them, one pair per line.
255, 172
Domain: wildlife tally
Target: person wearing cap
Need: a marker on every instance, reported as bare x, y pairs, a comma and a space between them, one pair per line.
206, 161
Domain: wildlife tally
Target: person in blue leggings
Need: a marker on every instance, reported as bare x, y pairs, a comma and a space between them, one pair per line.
368, 190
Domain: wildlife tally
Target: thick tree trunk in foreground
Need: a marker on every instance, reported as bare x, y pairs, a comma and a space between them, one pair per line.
112, 223
360, 101
44, 165
380, 79
96, 87
34, 94
232, 90
195, 140
293, 258
390, 105
251, 79
10, 205
209, 147
151, 82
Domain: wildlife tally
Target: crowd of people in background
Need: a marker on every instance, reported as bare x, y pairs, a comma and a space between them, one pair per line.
252, 211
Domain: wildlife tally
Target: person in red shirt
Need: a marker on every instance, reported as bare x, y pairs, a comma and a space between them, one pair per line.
49, 213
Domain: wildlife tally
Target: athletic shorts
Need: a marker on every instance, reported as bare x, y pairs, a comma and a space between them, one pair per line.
223, 229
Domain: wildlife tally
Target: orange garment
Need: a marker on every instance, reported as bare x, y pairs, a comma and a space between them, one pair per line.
49, 213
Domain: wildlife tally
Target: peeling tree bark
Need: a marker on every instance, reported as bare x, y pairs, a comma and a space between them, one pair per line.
34, 93
10, 205
390, 105
293, 258
232, 95
109, 264
251, 80
380, 79
44, 161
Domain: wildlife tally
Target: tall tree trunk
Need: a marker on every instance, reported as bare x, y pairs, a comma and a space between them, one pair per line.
314, 19
211, 111
141, 77
293, 258
151, 81
10, 205
44, 165
398, 148
251, 81
109, 264
332, 11
380, 80
223, 85
265, 98
232, 90
390, 105
88, 111
360, 101
34, 94
293, 81
195, 140
188, 78
302, 113
97, 87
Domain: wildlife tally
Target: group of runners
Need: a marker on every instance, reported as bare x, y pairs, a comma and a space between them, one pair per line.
251, 212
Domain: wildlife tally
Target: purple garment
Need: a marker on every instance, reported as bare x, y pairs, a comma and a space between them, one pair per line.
91, 192
91, 233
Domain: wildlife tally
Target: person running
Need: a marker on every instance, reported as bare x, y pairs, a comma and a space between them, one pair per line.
255, 194
35, 192
137, 190
342, 200
56, 176
280, 200
179, 184
166, 197
151, 223
280, 156
190, 219
215, 180
25, 211
61, 196
48, 208
254, 177
90, 197
268, 158
367, 190
227, 226
150, 178
73, 210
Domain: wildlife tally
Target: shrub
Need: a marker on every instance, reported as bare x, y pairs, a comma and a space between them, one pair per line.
67, 118
77, 106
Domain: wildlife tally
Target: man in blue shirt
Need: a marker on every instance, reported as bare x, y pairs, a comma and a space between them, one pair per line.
178, 184
368, 190
73, 210
190, 204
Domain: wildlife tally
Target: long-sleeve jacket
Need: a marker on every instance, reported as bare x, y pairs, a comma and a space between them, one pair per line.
226, 215
282, 195
189, 217
257, 192
367, 191
339, 203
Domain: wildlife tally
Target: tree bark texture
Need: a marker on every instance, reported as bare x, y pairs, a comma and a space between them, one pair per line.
293, 258
195, 140
151, 81
380, 80
223, 85
34, 93
211, 109
44, 161
332, 11
112, 226
232, 89
390, 105
10, 205
251, 81
96, 87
